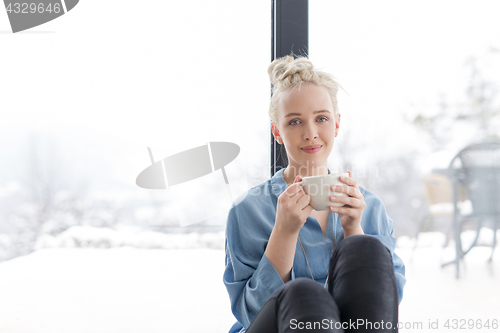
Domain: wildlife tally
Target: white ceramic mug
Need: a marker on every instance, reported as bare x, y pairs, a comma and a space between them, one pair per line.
319, 189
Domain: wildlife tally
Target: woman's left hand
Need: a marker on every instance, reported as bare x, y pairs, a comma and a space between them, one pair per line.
350, 214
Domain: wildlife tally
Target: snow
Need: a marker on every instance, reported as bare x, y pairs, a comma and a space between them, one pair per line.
114, 290
87, 236
126, 289
434, 294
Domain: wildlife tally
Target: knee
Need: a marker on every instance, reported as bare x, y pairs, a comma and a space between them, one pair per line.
364, 244
306, 298
364, 248
300, 284
300, 288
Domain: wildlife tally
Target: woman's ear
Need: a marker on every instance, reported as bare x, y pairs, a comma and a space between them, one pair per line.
276, 133
337, 124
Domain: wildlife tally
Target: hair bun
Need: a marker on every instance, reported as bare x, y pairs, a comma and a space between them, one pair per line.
289, 70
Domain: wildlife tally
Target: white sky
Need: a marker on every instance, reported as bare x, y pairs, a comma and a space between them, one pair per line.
173, 75
389, 55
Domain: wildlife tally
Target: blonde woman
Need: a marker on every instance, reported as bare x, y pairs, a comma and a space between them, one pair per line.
290, 267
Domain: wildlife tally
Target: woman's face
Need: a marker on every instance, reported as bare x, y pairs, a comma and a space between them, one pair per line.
305, 121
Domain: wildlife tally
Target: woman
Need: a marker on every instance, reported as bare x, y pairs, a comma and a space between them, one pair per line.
281, 254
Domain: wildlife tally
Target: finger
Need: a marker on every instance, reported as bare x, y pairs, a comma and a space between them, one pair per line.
350, 201
307, 210
348, 180
299, 193
301, 188
303, 201
349, 190
352, 212
293, 189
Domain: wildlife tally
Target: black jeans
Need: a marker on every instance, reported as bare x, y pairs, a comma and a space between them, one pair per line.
362, 295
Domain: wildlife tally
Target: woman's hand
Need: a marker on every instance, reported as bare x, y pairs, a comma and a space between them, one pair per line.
293, 208
291, 213
350, 214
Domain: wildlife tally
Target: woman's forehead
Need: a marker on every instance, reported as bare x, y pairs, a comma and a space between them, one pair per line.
291, 114
309, 100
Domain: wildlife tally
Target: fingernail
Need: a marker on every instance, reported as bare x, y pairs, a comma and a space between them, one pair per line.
334, 188
342, 177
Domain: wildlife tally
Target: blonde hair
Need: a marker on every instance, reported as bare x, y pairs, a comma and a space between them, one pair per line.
287, 73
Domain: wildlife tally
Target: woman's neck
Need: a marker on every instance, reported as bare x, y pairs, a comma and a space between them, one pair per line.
290, 173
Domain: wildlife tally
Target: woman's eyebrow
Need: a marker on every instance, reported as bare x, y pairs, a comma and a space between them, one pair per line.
298, 114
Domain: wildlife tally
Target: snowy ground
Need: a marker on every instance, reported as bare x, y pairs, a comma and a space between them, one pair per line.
126, 289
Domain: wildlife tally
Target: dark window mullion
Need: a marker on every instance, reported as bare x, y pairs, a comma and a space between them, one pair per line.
289, 34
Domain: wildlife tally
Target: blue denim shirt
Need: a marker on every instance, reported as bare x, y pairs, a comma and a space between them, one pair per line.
249, 276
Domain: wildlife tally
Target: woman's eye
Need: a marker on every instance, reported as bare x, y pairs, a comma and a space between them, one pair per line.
296, 121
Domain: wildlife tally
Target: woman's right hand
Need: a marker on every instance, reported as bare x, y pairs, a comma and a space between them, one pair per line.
293, 208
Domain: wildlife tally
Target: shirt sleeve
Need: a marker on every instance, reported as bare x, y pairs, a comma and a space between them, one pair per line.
249, 276
380, 225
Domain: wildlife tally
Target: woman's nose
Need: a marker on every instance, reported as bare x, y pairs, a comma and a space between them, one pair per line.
311, 132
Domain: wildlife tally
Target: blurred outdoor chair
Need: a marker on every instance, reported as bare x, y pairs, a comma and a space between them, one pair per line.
477, 169
439, 196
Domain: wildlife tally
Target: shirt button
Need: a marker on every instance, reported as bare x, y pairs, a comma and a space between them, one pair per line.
331, 251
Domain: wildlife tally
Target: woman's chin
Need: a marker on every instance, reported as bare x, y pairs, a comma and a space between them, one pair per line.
314, 162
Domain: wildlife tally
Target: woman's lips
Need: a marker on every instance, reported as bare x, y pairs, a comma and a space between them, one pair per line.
311, 150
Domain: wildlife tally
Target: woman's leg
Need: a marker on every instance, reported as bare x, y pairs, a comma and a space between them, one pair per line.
363, 284
293, 306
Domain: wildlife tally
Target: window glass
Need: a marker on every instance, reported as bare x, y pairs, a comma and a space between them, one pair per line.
82, 98
418, 78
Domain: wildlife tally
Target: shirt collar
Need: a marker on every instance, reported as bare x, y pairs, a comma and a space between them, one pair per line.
278, 183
